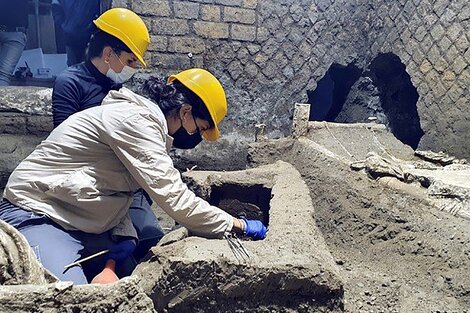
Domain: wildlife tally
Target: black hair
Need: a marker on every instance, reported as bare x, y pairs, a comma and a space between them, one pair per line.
99, 40
171, 96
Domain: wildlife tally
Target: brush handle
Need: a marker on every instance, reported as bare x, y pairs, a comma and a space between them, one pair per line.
85, 259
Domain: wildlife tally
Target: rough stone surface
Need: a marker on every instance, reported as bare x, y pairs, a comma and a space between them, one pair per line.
282, 273
300, 120
398, 251
243, 33
186, 45
158, 43
430, 38
362, 103
164, 60
30, 100
18, 263
156, 8
448, 187
121, 297
211, 30
186, 10
170, 27
25, 120
210, 13
238, 15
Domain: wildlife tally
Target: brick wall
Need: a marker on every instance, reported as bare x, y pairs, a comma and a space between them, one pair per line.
432, 40
269, 53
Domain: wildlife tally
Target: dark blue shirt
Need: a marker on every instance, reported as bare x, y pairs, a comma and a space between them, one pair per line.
79, 87
14, 13
76, 19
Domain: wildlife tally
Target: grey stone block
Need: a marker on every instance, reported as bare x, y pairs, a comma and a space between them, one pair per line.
154, 7
186, 10
210, 13
239, 15
211, 30
170, 26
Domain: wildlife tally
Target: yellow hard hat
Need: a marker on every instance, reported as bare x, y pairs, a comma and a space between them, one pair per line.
210, 91
128, 27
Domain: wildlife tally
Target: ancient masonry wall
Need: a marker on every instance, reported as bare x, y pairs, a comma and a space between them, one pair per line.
269, 53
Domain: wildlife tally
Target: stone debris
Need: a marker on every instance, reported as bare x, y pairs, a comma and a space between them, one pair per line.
18, 263
448, 186
439, 157
123, 296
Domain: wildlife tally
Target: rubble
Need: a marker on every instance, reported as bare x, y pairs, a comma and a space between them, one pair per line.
123, 296
397, 248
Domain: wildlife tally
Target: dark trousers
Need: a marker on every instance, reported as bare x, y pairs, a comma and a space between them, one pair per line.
56, 247
145, 223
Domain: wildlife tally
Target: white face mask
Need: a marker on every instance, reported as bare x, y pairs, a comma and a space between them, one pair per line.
122, 77
119, 78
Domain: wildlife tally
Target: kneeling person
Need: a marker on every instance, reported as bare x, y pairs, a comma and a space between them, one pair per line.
71, 196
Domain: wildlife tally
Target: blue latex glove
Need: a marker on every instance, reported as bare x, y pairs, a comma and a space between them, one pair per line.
254, 229
122, 250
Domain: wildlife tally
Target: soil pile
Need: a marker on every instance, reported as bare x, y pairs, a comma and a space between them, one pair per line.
397, 252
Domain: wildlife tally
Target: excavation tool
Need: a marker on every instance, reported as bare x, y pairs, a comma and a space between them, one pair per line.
239, 251
85, 259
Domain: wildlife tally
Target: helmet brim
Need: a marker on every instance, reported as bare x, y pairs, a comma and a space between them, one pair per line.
213, 133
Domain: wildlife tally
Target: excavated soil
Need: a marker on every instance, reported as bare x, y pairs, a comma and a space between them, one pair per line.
396, 252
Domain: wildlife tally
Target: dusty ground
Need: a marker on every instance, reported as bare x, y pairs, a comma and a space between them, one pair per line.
397, 254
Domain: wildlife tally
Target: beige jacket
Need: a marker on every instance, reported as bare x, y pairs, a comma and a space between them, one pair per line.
84, 174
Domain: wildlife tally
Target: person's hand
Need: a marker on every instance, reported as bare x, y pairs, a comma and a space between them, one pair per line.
122, 250
254, 229
107, 275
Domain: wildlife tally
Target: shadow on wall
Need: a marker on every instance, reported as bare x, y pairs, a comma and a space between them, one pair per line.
383, 92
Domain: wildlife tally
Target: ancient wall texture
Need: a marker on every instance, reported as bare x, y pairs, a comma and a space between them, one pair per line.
269, 53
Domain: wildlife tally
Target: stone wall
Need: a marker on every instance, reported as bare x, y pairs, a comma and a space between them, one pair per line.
25, 120
268, 54
432, 40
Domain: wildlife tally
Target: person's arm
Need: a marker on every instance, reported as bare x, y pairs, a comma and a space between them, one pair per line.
139, 143
65, 99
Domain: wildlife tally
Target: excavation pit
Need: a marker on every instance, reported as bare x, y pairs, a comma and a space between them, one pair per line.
250, 202
291, 269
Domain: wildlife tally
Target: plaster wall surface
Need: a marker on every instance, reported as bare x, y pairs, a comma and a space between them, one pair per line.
268, 54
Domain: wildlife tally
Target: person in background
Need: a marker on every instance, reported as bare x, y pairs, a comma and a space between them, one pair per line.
114, 53
13, 25
75, 22
70, 197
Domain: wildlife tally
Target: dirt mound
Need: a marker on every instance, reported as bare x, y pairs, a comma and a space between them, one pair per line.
397, 252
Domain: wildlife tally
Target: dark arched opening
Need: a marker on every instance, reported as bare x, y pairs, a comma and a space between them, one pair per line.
398, 97
383, 92
331, 92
